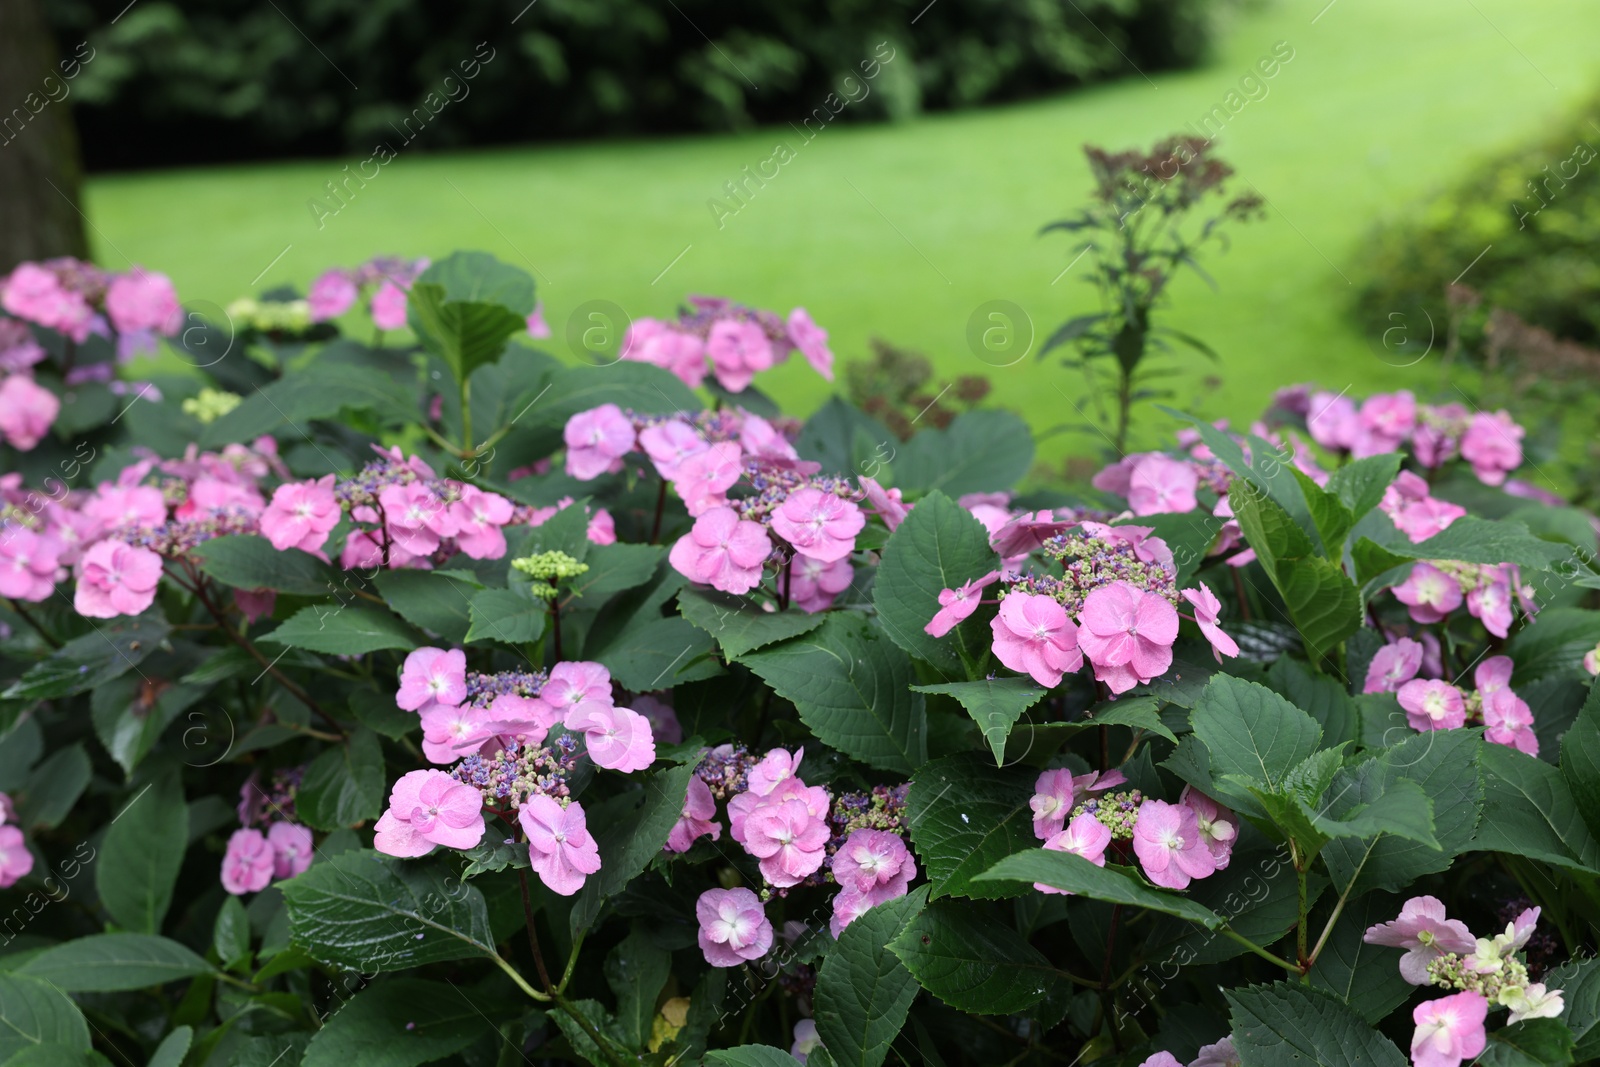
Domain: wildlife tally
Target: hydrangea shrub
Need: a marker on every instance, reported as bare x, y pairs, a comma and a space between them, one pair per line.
428, 699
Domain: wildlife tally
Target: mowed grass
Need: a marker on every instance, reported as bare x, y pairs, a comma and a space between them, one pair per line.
903, 231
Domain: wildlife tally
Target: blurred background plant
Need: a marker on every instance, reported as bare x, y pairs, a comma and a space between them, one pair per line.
1137, 232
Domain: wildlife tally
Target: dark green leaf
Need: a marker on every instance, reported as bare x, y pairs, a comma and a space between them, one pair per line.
996, 704
344, 785
1474, 540
939, 546
614, 569
319, 391
1366, 977
631, 830
1119, 885
1580, 760
1360, 483
506, 615
436, 602
1251, 731
1318, 695
143, 850
250, 562
34, 1013
655, 654
739, 624
980, 452
972, 962
231, 933
1329, 516
464, 334
750, 1056
53, 787
400, 1022
965, 816
110, 963
365, 911
1444, 763
1533, 812
1281, 1024
863, 991
1579, 982
636, 970
852, 689
173, 1048
344, 631
1324, 604
1530, 1043
91, 660
479, 276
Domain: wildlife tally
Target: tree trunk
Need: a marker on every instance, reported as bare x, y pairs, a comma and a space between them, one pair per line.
40, 171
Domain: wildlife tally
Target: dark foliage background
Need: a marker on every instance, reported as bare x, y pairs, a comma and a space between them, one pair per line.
210, 80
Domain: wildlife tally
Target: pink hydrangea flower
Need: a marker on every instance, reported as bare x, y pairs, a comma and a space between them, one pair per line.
1493, 445
1426, 933
734, 928
664, 722
1491, 605
479, 517
389, 306
722, 551
1433, 705
597, 440
704, 478
1162, 1059
617, 739
1127, 633
428, 808
1160, 484
537, 327
15, 859
27, 411
116, 579
758, 437
1207, 612
1220, 1054
1449, 1030
813, 584
1084, 836
1332, 421
137, 505
1393, 665
415, 517
886, 503
812, 341
562, 851
1167, 840
669, 444
509, 715
332, 294
1509, 721
301, 515
1033, 635
805, 1038
1056, 793
957, 604
143, 302
874, 863
698, 818
778, 766
1219, 827
36, 294
738, 349
432, 676
448, 729
1430, 593
1493, 674
788, 839
1387, 420
657, 342
28, 564
575, 682
291, 849
248, 864
820, 525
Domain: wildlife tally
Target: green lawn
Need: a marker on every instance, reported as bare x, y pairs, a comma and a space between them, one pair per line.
902, 231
